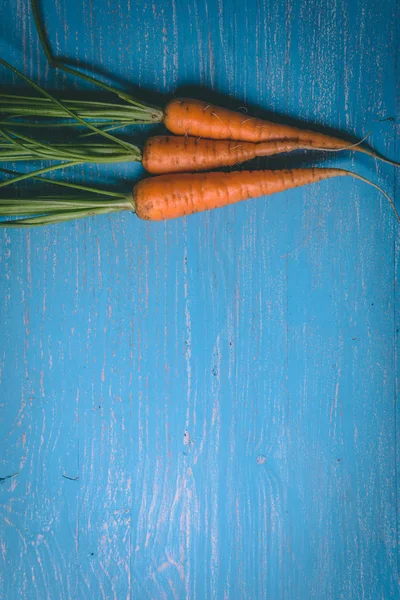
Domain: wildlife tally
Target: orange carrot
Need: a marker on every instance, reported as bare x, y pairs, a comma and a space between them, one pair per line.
176, 154
178, 195
200, 119
162, 197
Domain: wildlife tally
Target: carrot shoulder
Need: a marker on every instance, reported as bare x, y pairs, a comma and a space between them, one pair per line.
178, 154
173, 196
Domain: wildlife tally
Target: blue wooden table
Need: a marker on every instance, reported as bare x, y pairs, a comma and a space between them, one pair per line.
206, 408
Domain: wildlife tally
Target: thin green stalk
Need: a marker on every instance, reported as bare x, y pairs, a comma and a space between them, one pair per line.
52, 205
29, 100
52, 219
47, 111
110, 113
68, 111
85, 153
57, 63
80, 148
43, 154
112, 128
74, 186
23, 176
19, 158
46, 125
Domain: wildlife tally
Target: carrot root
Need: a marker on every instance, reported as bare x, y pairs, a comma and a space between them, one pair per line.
179, 154
199, 119
174, 196
189, 117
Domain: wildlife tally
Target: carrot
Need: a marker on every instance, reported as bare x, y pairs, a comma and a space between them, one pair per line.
173, 196
174, 154
162, 197
161, 154
185, 116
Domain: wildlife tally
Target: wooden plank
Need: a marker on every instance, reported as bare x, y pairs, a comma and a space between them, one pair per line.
207, 408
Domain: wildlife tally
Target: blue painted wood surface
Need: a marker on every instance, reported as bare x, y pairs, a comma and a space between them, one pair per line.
206, 408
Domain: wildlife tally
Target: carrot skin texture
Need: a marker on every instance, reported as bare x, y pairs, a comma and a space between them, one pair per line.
178, 154
184, 116
178, 195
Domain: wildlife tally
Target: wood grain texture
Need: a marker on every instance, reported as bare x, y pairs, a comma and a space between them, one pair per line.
206, 408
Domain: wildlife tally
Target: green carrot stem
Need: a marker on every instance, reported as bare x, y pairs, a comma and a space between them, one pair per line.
47, 154
83, 152
23, 176
41, 111
58, 124
53, 204
57, 63
51, 219
67, 110
73, 104
74, 186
